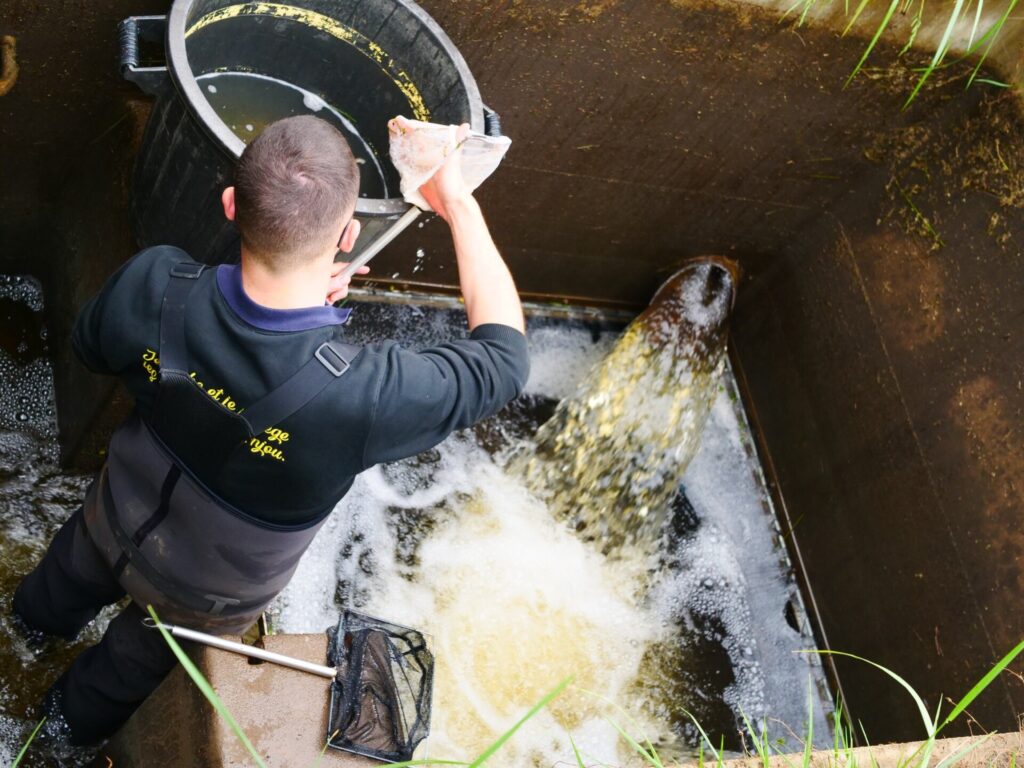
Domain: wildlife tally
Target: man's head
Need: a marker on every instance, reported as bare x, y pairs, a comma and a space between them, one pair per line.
295, 190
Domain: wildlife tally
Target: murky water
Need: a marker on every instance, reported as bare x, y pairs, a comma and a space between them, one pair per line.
454, 542
248, 102
35, 496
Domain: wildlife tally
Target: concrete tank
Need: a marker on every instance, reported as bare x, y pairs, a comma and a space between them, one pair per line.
877, 330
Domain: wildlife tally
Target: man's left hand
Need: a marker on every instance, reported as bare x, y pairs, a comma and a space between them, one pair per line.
337, 288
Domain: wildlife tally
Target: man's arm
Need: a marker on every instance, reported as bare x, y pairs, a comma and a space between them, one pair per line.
487, 286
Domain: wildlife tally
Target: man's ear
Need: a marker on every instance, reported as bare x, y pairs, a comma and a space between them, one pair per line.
348, 240
228, 199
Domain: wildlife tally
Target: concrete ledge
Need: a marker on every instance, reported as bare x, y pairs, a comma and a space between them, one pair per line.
283, 712
996, 751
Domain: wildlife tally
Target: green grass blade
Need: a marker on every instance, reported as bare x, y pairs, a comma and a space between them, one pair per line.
204, 685
24, 748
651, 757
760, 739
940, 52
793, 7
977, 21
982, 684
576, 752
856, 15
915, 27
809, 742
704, 735
548, 697
874, 40
961, 753
929, 745
624, 713
925, 718
867, 743
992, 34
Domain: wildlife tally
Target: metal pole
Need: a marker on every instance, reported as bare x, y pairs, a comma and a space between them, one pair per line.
377, 246
246, 650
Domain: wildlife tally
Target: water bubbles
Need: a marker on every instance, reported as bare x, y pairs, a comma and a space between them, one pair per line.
454, 544
211, 88
249, 127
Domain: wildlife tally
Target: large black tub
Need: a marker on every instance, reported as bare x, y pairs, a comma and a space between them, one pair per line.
231, 68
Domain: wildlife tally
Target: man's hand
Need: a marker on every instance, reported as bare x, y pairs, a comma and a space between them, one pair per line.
446, 186
337, 288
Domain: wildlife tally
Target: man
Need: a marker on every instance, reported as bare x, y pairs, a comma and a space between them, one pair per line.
252, 415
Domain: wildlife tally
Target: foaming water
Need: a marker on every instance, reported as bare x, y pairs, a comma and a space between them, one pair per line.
612, 456
458, 543
512, 601
36, 497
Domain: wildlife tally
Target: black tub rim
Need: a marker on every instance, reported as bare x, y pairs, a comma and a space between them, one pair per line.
228, 143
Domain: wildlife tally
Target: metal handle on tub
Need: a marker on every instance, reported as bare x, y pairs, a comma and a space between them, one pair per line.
377, 246
9, 60
492, 122
153, 28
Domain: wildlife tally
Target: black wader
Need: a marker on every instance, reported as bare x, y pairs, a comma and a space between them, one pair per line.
151, 528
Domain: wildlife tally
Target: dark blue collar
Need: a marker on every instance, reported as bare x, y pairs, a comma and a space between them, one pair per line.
229, 281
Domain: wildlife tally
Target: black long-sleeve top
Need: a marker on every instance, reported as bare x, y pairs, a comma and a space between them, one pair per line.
392, 402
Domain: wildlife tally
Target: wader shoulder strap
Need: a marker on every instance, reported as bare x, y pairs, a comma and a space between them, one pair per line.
330, 361
173, 356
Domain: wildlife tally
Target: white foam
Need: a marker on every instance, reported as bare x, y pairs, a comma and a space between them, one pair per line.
559, 359
312, 102
512, 602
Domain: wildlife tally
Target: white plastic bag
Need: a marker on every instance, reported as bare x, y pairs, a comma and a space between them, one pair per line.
419, 149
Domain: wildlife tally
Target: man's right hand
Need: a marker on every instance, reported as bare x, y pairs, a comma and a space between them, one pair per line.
446, 187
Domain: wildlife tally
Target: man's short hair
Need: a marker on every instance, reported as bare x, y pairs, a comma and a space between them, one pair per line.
293, 184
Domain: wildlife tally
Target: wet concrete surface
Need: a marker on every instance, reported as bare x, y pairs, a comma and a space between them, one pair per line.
884, 368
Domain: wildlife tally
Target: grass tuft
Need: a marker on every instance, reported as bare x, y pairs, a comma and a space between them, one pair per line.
960, 11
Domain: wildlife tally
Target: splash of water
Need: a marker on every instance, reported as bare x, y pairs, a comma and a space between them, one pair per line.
512, 599
613, 454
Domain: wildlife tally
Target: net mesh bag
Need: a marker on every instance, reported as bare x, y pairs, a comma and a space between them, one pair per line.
380, 697
418, 149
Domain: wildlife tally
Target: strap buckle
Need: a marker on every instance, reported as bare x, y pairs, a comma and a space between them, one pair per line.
335, 370
187, 269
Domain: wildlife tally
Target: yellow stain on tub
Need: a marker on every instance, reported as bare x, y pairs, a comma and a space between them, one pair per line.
333, 27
